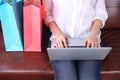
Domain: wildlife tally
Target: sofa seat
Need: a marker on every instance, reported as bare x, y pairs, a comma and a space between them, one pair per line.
111, 65
36, 66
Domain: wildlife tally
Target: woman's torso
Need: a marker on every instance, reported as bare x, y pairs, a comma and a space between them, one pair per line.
74, 17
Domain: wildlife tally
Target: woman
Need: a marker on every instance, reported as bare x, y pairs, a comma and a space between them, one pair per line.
79, 21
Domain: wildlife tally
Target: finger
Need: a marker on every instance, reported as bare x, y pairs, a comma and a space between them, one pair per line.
85, 43
56, 46
88, 44
65, 43
60, 44
96, 45
92, 45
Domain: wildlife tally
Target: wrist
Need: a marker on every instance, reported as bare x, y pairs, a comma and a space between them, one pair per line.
93, 34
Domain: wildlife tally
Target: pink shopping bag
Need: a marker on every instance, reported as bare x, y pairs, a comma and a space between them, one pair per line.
32, 25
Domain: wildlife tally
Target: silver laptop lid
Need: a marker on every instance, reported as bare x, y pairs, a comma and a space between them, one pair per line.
78, 53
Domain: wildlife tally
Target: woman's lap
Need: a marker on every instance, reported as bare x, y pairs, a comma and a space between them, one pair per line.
64, 70
76, 70
89, 70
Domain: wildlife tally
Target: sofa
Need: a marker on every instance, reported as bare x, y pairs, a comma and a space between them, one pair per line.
36, 66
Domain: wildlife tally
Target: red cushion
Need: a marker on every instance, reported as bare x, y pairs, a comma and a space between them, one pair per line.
113, 8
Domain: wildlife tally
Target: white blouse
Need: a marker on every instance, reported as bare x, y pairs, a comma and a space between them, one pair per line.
75, 17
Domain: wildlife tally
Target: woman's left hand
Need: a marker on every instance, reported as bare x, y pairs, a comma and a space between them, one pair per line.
91, 41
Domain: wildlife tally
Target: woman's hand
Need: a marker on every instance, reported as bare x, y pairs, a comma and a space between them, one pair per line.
91, 41
61, 41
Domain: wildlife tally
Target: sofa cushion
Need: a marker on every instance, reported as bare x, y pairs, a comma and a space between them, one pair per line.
111, 66
111, 3
113, 8
36, 66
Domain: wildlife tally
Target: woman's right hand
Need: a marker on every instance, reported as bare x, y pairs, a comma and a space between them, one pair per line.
61, 41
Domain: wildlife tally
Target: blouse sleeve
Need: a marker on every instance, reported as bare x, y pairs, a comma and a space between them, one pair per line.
48, 11
101, 12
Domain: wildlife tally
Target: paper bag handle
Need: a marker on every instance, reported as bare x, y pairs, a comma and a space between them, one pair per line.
43, 8
29, 2
9, 1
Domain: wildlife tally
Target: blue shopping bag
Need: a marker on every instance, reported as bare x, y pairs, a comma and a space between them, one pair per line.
11, 16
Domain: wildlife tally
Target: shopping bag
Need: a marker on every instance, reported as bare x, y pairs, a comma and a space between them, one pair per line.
11, 16
32, 25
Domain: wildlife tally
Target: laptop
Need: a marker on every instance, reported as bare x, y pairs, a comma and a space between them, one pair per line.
81, 53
